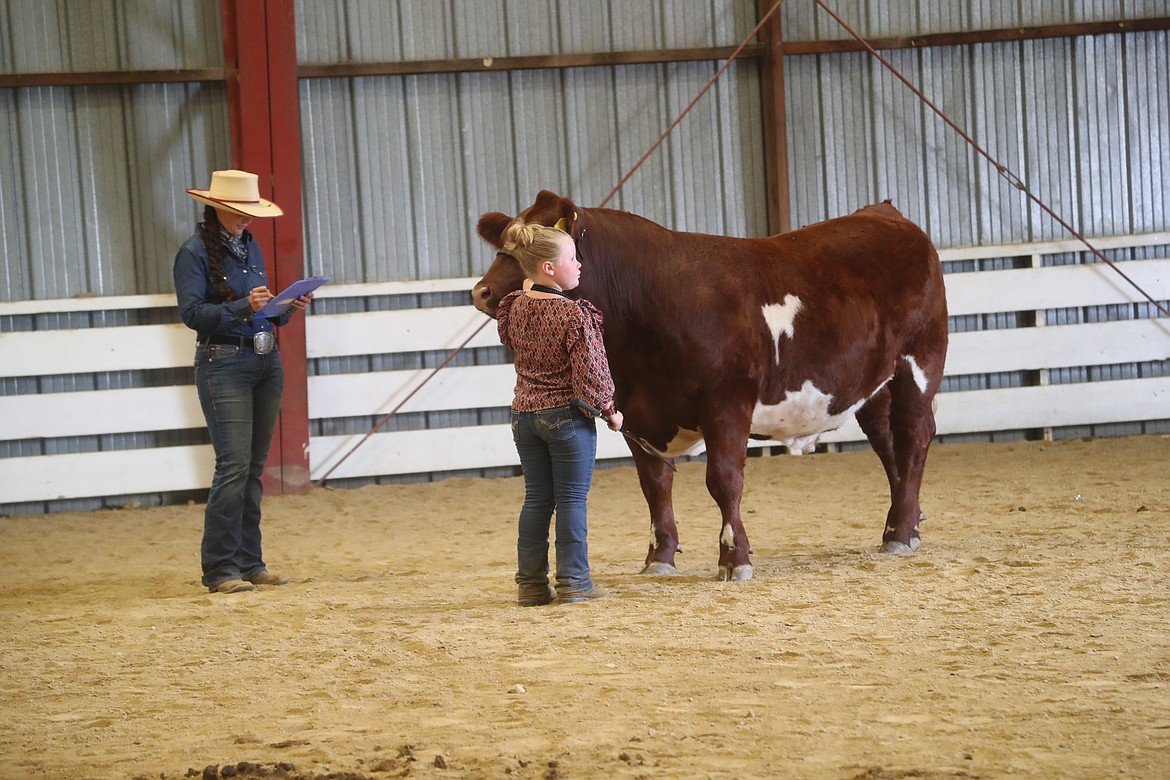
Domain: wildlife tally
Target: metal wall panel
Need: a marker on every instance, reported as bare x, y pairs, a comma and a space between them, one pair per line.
92, 200
92, 197
399, 168
67, 36
1081, 122
1147, 89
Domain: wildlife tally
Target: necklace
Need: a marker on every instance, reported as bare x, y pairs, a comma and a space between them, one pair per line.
544, 288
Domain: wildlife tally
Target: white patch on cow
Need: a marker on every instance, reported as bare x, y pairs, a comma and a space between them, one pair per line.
727, 538
780, 317
653, 541
803, 445
918, 373
804, 412
802, 416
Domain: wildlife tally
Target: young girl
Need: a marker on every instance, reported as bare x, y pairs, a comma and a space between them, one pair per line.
559, 356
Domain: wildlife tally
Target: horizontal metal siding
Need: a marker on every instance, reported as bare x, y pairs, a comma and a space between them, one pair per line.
398, 168
1077, 121
68, 36
93, 201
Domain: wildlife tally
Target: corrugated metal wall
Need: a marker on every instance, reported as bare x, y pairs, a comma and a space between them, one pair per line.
91, 190
1082, 122
398, 168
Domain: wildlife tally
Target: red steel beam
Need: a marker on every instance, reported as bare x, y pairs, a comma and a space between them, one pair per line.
775, 114
264, 113
285, 150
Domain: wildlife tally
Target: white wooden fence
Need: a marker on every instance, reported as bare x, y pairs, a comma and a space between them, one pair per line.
62, 415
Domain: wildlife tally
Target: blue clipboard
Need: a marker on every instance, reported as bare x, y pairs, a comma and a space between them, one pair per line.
279, 305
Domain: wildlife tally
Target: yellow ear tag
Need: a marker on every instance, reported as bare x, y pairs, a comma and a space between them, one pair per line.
560, 225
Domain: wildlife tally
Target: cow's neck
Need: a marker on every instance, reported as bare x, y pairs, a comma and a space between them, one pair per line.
620, 253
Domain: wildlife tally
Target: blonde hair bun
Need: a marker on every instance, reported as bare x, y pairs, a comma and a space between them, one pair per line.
519, 235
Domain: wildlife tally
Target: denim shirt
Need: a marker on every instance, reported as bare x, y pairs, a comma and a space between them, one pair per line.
200, 305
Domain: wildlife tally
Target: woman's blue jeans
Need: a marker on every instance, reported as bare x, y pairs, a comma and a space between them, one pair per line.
557, 449
240, 394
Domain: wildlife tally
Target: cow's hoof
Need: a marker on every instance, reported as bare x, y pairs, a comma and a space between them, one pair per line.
900, 548
658, 567
741, 573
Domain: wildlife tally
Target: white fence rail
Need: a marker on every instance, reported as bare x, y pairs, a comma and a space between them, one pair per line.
63, 415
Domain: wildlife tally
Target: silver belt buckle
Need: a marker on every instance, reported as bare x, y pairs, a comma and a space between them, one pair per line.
263, 342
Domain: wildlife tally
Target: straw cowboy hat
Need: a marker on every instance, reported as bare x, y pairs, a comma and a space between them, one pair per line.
237, 191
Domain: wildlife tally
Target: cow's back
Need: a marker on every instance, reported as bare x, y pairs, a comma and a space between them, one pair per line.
860, 292
874, 256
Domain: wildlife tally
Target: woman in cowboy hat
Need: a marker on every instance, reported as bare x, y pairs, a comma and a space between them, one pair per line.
221, 284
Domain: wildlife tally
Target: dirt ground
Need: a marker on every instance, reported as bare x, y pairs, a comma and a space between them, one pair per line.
1029, 636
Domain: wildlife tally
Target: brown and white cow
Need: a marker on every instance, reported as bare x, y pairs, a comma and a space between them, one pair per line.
719, 339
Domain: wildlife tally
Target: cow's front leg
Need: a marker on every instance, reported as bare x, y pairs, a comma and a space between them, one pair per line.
725, 462
657, 481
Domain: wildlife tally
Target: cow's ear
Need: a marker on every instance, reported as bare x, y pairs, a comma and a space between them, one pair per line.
545, 200
552, 208
491, 228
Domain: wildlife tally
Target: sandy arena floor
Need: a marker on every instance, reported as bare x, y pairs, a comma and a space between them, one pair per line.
1030, 636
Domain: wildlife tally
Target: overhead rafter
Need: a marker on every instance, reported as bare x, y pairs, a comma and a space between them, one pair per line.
555, 61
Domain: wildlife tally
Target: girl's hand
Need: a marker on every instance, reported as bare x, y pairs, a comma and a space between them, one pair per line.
615, 420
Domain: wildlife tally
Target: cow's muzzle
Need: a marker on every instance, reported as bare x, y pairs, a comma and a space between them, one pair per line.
481, 297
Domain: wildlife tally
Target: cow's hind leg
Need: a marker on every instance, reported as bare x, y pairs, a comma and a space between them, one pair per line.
725, 462
874, 419
912, 428
657, 481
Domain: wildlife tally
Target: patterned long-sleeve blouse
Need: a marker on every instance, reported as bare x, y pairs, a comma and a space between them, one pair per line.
559, 353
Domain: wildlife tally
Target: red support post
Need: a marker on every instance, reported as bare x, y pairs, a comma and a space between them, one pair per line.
260, 67
775, 121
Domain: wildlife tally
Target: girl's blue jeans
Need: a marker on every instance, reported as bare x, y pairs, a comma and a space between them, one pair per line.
557, 448
240, 394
